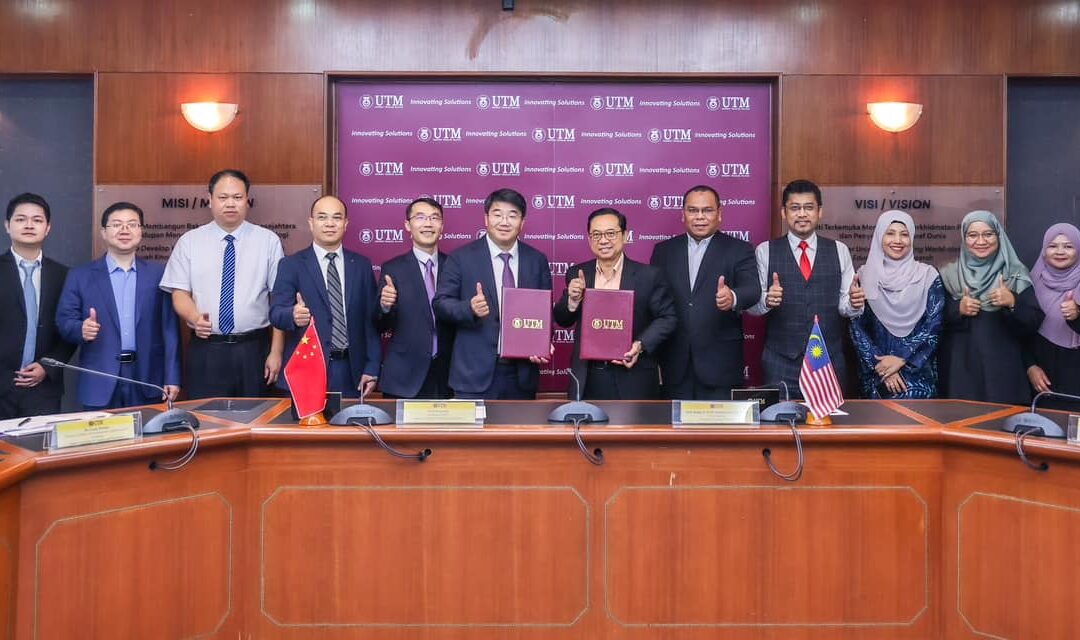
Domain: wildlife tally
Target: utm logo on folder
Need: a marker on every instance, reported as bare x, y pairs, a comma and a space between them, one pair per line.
609, 324
527, 323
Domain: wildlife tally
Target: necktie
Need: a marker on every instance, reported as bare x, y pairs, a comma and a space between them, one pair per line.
429, 284
339, 339
507, 275
226, 322
804, 261
30, 298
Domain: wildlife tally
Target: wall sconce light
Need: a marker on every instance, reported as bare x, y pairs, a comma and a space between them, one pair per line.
209, 116
894, 116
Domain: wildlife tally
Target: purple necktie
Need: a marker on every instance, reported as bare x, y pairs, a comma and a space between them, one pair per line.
508, 275
429, 284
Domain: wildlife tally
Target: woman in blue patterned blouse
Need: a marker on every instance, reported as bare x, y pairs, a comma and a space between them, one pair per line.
897, 336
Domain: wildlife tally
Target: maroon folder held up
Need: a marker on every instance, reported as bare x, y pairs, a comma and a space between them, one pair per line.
525, 325
607, 324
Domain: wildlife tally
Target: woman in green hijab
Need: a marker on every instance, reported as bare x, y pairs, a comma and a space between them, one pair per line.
990, 312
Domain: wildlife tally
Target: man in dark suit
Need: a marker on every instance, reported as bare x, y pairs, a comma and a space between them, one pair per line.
469, 295
417, 362
635, 376
124, 323
30, 286
713, 277
337, 288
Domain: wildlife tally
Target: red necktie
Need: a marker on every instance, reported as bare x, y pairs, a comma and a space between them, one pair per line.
804, 261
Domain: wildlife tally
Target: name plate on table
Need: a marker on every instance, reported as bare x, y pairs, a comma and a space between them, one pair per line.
607, 324
702, 413
77, 433
447, 414
525, 323
1072, 432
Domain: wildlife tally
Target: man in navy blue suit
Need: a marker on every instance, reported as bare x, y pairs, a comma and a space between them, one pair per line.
123, 322
417, 361
337, 288
468, 296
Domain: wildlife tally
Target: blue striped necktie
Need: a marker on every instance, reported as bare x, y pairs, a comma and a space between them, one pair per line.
226, 322
31, 301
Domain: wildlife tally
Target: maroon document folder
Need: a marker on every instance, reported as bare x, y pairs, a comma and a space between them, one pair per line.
607, 324
525, 326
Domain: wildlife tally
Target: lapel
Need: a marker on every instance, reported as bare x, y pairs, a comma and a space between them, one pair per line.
145, 288
525, 270
712, 255
103, 284
315, 271
9, 271
629, 274
682, 263
488, 271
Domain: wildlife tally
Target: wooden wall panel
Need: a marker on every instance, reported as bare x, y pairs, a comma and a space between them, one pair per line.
278, 136
789, 36
826, 135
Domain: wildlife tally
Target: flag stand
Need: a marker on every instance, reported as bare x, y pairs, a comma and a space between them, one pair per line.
314, 421
814, 421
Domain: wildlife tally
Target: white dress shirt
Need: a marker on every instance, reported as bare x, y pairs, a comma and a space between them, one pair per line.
196, 262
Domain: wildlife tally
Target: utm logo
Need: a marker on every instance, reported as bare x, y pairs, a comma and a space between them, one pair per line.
506, 168
448, 200
498, 102
735, 170
424, 134
670, 135
712, 170
559, 268
483, 169
667, 202
382, 236
735, 103
382, 101
444, 134
563, 336
596, 169
554, 134
553, 201
613, 103
382, 168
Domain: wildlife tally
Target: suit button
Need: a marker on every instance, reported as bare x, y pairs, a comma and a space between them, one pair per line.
689, 304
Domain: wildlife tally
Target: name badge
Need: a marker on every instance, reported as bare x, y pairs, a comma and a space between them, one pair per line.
77, 433
441, 414
695, 413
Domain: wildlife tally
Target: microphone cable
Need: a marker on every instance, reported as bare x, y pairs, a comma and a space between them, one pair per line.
369, 427
799, 459
596, 456
184, 459
1022, 434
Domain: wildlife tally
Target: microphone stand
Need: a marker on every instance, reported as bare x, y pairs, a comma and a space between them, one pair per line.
170, 420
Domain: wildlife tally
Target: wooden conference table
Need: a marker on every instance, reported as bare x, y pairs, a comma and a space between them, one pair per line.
911, 520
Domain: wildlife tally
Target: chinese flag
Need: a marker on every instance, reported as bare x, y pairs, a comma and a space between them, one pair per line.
305, 374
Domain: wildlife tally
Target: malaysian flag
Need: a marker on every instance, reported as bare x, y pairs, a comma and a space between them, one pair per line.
817, 379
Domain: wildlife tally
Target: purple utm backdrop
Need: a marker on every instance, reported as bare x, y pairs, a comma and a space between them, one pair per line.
569, 148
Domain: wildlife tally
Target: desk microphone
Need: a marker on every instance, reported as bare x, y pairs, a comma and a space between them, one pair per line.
170, 420
1032, 422
786, 411
577, 411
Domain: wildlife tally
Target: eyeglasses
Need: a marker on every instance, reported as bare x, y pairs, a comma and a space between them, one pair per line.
324, 218
708, 212
126, 226
424, 218
974, 236
609, 234
808, 208
505, 217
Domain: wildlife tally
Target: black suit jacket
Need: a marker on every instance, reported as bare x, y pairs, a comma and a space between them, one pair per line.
476, 343
407, 362
654, 323
13, 322
715, 337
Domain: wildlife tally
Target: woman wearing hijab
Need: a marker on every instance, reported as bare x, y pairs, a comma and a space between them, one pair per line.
897, 336
991, 313
1054, 354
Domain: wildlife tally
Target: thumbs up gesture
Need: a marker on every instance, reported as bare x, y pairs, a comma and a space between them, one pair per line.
479, 303
1069, 308
1001, 296
969, 306
725, 297
301, 315
775, 295
856, 294
575, 291
90, 326
388, 295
